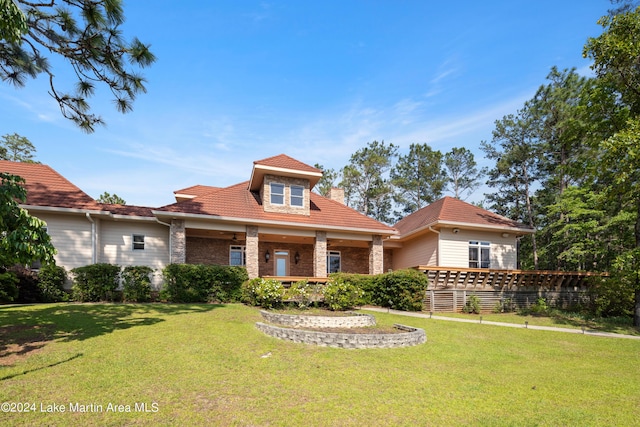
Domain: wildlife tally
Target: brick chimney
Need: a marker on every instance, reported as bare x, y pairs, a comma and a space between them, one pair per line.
337, 194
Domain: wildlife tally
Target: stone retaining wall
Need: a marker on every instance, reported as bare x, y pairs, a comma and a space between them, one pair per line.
355, 320
412, 336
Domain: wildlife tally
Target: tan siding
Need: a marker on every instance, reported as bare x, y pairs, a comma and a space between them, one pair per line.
419, 251
455, 248
71, 236
117, 247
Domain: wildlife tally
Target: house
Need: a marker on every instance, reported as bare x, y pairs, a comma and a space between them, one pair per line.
273, 224
452, 233
87, 232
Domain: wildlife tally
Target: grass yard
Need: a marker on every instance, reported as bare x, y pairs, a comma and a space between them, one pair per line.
556, 319
204, 365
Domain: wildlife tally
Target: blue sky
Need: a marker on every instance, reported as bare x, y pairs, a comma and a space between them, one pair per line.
238, 81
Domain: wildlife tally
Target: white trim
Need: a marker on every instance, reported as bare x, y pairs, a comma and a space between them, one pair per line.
55, 209
133, 242
271, 193
291, 197
64, 210
466, 225
243, 251
339, 254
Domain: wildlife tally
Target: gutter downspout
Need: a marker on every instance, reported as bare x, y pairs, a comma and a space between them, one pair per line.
170, 239
93, 237
438, 253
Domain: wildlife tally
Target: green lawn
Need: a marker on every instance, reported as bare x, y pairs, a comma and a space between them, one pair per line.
556, 319
203, 365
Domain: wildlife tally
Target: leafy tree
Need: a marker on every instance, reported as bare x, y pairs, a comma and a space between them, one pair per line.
113, 199
616, 55
515, 151
623, 6
16, 148
326, 183
87, 34
561, 129
23, 237
366, 184
462, 172
418, 178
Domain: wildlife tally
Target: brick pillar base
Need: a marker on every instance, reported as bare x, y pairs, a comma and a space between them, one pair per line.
376, 255
320, 255
253, 264
178, 242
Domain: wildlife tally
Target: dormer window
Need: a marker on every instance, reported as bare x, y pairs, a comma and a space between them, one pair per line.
285, 194
297, 196
277, 194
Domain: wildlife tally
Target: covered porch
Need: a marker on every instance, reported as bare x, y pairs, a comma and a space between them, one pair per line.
268, 251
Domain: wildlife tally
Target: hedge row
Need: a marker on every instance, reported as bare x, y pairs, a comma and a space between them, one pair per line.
400, 290
202, 283
21, 285
101, 282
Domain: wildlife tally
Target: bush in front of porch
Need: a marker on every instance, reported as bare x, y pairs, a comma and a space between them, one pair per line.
202, 283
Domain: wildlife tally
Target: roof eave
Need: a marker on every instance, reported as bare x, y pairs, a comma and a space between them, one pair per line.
259, 171
468, 225
57, 209
254, 221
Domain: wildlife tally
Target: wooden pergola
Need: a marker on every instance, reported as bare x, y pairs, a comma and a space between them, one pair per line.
441, 278
449, 287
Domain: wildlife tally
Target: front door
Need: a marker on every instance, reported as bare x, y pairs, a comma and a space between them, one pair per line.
282, 263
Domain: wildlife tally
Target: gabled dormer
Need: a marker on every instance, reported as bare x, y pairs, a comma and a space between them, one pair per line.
284, 184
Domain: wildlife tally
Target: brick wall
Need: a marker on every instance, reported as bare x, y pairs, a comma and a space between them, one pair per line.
304, 266
202, 250
410, 337
353, 260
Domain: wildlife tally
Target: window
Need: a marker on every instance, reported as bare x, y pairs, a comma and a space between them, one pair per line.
237, 256
333, 262
297, 196
479, 254
138, 242
277, 194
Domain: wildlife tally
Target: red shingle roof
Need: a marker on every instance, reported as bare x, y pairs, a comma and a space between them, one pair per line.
286, 162
452, 210
237, 201
46, 187
127, 210
196, 190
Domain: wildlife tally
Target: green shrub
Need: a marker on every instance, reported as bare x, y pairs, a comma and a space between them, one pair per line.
506, 305
51, 280
267, 293
95, 282
202, 283
136, 283
611, 297
300, 293
28, 290
8, 286
342, 295
472, 306
539, 307
401, 290
365, 282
